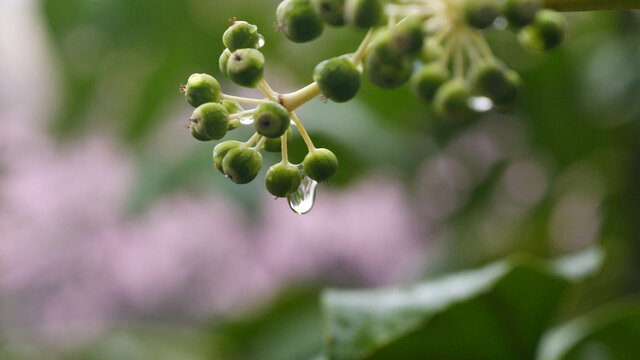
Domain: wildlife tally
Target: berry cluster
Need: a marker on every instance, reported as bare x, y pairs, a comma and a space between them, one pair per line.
436, 45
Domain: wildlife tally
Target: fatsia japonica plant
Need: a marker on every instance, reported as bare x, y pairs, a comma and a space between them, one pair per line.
438, 47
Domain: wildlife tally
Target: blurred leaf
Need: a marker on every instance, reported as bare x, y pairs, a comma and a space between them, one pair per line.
497, 312
145, 343
608, 333
290, 328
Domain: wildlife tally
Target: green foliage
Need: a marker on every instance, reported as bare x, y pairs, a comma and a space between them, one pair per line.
497, 312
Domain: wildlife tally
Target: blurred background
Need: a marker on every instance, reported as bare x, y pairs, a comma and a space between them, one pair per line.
119, 241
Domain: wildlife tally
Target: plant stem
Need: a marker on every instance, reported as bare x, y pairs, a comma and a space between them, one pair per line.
588, 5
260, 143
264, 87
243, 100
303, 132
285, 155
296, 99
359, 54
253, 139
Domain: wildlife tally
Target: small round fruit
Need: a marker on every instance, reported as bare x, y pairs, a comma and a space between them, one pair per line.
330, 11
271, 119
241, 35
545, 32
320, 164
490, 80
275, 144
452, 101
223, 61
202, 88
241, 164
431, 51
282, 179
363, 13
387, 74
407, 36
520, 13
338, 78
514, 84
246, 67
480, 13
298, 20
221, 150
209, 121
426, 82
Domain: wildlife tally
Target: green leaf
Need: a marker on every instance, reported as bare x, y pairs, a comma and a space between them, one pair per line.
497, 312
608, 333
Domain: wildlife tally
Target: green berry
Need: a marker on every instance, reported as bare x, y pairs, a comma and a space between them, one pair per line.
271, 119
246, 67
387, 74
363, 13
209, 121
330, 11
320, 164
520, 13
480, 13
275, 144
298, 20
407, 36
452, 101
431, 51
223, 61
241, 35
426, 82
514, 84
202, 88
545, 32
241, 164
221, 150
232, 107
490, 79
282, 179
338, 78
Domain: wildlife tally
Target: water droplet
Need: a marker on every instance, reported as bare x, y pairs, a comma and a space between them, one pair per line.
301, 201
260, 42
247, 120
500, 23
292, 123
480, 103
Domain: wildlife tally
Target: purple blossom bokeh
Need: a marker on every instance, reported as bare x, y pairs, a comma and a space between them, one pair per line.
72, 262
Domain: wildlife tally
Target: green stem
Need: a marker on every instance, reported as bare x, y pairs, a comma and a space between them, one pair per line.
589, 5
296, 99
303, 132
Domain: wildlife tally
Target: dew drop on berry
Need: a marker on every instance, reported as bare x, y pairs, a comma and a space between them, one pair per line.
500, 23
480, 103
260, 42
301, 201
247, 120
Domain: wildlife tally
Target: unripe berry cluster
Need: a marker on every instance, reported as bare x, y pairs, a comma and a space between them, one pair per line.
435, 45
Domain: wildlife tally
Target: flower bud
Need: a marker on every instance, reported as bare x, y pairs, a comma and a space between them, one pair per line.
521, 12
480, 13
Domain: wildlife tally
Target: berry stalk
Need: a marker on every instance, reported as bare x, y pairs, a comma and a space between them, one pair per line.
589, 5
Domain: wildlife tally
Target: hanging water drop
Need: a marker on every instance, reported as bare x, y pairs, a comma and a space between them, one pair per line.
480, 103
247, 120
260, 41
301, 201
